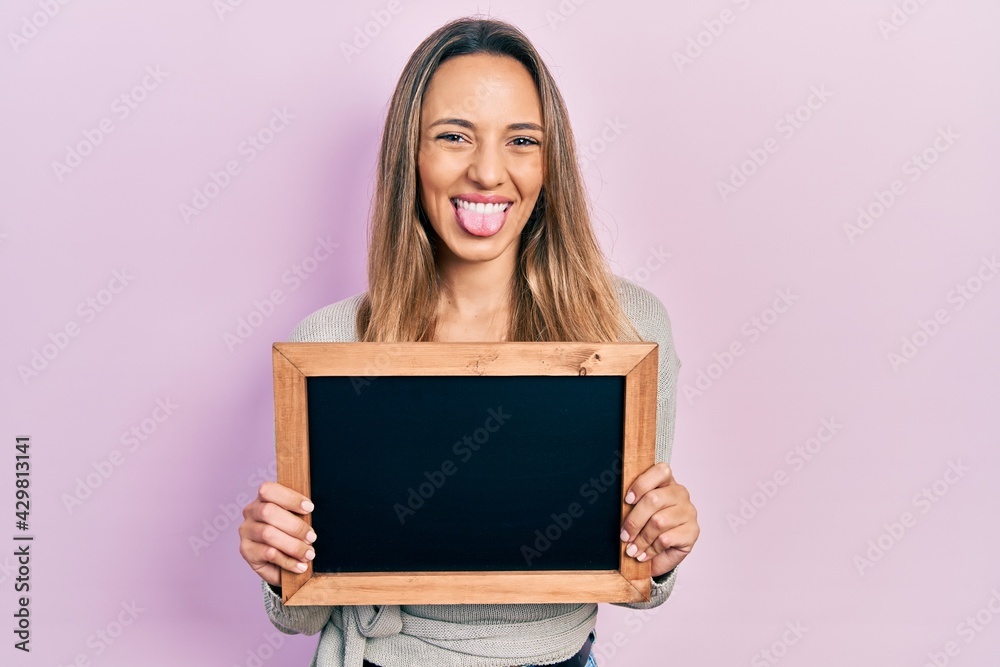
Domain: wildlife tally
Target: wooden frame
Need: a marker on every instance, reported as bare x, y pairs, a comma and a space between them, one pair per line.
293, 363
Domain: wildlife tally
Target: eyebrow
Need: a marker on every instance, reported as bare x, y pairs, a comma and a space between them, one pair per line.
471, 126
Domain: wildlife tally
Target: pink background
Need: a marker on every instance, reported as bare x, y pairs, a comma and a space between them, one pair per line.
661, 136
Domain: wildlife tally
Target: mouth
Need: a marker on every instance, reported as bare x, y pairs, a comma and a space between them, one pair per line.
480, 219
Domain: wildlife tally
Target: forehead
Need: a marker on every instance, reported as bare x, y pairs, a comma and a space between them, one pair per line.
481, 86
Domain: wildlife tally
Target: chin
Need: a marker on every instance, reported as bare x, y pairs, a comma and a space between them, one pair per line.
477, 251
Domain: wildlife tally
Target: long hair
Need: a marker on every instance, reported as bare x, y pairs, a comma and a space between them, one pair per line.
562, 289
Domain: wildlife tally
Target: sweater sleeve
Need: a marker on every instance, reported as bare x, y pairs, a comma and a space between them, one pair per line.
653, 323
295, 619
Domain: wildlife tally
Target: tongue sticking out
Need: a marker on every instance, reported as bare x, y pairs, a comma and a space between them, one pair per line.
481, 224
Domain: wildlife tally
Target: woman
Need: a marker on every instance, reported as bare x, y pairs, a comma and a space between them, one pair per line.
480, 232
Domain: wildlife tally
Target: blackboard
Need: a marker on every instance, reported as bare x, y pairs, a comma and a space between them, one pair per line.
439, 490
465, 472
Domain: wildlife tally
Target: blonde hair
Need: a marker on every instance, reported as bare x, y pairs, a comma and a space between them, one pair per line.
562, 288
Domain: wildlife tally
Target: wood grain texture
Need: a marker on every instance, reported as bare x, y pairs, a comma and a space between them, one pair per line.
371, 359
291, 446
640, 431
562, 586
294, 362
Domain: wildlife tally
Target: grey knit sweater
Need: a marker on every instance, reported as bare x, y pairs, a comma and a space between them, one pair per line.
472, 635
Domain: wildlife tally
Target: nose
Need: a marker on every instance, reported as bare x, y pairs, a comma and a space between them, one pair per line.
487, 167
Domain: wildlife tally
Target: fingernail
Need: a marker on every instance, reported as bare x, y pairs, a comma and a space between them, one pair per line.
310, 554
642, 556
624, 536
301, 567
307, 505
631, 549
310, 537
630, 498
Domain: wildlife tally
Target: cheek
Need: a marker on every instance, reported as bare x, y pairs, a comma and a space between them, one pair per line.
427, 182
528, 176
431, 190
438, 170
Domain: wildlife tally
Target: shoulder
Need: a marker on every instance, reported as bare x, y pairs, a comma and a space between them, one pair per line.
334, 323
643, 308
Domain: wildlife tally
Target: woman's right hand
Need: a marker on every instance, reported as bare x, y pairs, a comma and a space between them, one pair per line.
273, 534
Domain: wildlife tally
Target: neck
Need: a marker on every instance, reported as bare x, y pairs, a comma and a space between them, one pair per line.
475, 290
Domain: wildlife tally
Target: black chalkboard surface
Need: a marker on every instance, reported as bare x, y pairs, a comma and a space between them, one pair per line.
475, 473
449, 473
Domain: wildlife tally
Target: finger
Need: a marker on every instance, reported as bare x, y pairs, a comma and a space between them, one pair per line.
646, 506
287, 498
260, 553
658, 474
289, 545
659, 522
676, 510
282, 519
680, 533
253, 554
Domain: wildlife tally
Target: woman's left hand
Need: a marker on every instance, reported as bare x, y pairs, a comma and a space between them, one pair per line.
662, 524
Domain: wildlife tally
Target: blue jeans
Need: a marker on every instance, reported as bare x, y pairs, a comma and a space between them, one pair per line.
591, 661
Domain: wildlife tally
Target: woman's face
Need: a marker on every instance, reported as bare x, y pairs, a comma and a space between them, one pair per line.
479, 160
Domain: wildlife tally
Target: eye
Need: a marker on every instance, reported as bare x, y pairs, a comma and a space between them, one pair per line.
448, 136
529, 140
